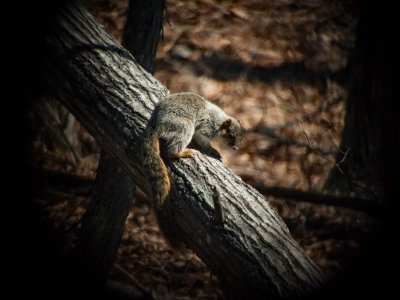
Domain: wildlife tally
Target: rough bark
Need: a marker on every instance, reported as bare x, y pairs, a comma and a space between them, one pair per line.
100, 82
372, 164
372, 157
142, 31
103, 222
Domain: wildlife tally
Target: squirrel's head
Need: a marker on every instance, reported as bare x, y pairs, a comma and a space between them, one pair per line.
232, 130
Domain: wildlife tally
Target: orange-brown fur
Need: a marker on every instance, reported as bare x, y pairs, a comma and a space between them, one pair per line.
176, 121
157, 172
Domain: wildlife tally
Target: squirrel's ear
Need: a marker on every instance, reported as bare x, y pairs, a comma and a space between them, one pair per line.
226, 124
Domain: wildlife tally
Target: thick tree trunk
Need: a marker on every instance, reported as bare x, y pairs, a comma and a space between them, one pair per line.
142, 31
368, 138
102, 225
371, 135
100, 82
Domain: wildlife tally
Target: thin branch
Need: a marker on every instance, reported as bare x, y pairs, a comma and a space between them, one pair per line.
115, 110
306, 135
344, 156
272, 131
281, 140
360, 204
337, 164
330, 102
319, 152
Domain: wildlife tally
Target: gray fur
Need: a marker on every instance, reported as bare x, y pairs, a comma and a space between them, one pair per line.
181, 117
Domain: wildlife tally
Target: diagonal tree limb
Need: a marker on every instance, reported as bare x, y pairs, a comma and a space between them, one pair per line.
104, 220
102, 85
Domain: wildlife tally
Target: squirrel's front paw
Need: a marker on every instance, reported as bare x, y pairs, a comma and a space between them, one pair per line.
185, 153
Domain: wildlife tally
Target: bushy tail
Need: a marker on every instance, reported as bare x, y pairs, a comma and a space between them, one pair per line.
156, 171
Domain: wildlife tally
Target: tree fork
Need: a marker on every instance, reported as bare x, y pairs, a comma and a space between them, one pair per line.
103, 222
112, 96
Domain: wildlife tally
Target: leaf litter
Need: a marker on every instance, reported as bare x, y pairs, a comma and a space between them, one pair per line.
280, 67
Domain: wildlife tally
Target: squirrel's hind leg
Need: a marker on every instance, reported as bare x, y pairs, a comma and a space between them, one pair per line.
176, 141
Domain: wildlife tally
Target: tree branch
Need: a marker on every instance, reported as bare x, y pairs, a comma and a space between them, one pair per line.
371, 207
112, 96
103, 222
83, 185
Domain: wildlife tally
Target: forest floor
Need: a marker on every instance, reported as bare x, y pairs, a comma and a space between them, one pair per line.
278, 66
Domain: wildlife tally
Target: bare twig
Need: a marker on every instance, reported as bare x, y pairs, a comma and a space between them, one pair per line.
310, 146
330, 102
345, 155
280, 140
337, 164
306, 135
272, 131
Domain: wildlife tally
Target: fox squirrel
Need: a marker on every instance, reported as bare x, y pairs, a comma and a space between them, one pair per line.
176, 121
